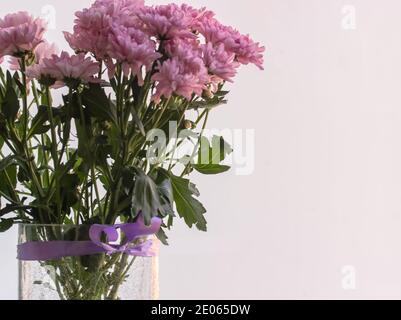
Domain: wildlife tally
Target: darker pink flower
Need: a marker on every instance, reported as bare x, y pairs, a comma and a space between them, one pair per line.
20, 33
65, 68
184, 74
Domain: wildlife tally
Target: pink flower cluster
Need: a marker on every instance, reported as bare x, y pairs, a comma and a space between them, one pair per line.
183, 50
186, 49
21, 37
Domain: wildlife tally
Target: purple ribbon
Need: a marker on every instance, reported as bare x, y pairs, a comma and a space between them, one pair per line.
54, 250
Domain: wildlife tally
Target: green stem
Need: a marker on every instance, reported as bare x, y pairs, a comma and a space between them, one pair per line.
52, 128
35, 93
80, 203
119, 278
24, 100
67, 128
94, 182
171, 165
197, 145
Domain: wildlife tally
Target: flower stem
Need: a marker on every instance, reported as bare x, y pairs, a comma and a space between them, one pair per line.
94, 182
185, 172
52, 128
24, 100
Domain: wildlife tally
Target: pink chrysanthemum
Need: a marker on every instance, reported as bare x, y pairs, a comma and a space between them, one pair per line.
219, 62
93, 26
119, 7
245, 49
133, 49
248, 51
20, 33
167, 21
43, 50
65, 68
184, 74
197, 15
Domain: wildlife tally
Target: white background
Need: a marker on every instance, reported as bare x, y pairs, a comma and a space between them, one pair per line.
326, 191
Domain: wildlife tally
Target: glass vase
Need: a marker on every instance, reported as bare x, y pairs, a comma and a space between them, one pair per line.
95, 277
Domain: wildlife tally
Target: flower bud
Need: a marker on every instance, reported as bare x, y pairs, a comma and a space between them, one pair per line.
208, 93
105, 125
188, 124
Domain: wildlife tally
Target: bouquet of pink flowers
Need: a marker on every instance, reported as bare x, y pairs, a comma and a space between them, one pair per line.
77, 131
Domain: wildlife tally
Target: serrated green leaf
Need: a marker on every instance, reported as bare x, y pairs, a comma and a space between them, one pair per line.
188, 208
166, 195
145, 197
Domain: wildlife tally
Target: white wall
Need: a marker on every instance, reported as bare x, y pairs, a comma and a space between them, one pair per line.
326, 192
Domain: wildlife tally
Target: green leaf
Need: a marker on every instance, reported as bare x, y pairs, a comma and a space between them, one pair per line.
138, 122
211, 169
188, 208
6, 162
98, 104
22, 175
38, 122
70, 181
12, 207
210, 156
161, 235
215, 152
5, 187
19, 84
222, 93
10, 104
145, 197
166, 195
6, 224
225, 148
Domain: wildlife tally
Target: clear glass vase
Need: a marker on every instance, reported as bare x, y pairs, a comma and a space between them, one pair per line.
95, 277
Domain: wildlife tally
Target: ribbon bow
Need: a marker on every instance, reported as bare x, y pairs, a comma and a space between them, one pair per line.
54, 250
